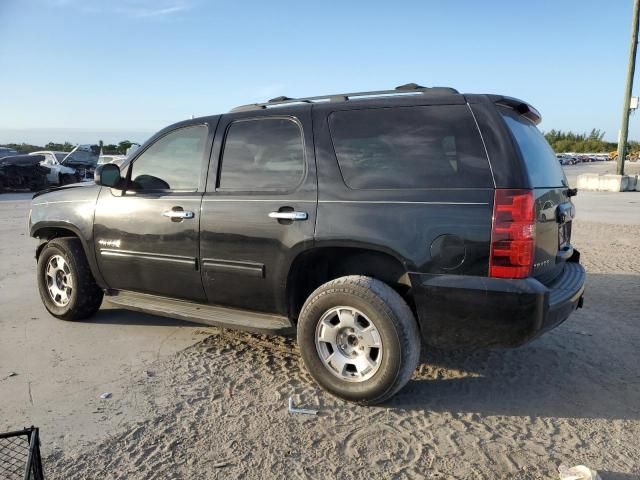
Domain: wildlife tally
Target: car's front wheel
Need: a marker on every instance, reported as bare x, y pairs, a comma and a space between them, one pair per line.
358, 339
65, 282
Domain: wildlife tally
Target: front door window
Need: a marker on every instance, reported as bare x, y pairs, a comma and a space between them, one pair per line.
172, 163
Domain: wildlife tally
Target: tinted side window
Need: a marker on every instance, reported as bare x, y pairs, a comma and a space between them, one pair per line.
262, 154
542, 165
173, 162
410, 147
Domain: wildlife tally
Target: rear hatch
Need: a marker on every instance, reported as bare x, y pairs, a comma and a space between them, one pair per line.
554, 210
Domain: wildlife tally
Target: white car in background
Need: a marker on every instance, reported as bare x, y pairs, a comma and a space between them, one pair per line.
78, 165
59, 174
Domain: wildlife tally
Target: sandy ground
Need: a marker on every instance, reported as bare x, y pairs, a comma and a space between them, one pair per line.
218, 408
52, 372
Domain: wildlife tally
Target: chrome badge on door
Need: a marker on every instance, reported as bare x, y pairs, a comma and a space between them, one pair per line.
109, 243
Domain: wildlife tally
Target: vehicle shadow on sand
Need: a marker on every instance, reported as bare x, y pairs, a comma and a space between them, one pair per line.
121, 316
586, 368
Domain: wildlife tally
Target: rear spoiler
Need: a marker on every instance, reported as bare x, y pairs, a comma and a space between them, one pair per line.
523, 108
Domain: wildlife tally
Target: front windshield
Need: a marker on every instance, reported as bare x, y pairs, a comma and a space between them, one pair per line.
60, 156
86, 154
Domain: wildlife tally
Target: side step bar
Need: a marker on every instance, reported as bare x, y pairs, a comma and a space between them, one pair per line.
201, 313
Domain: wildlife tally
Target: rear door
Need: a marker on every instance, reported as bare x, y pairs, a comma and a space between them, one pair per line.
554, 209
259, 210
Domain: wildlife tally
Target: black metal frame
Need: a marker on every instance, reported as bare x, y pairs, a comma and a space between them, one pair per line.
33, 461
409, 88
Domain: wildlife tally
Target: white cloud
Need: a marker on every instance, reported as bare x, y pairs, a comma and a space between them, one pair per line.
130, 8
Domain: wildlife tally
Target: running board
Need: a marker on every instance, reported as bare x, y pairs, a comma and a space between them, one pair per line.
201, 313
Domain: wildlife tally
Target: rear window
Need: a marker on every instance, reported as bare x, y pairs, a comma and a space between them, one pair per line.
410, 147
542, 165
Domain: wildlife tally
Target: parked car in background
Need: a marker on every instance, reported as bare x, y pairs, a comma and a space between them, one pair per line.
70, 167
7, 152
84, 158
23, 172
59, 173
566, 160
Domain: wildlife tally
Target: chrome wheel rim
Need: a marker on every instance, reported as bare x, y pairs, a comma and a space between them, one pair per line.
349, 344
59, 280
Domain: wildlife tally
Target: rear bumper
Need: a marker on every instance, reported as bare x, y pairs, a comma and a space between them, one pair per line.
462, 311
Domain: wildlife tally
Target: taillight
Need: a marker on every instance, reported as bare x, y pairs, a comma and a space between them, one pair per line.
512, 234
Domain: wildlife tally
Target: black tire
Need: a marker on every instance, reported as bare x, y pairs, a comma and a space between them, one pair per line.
394, 321
86, 296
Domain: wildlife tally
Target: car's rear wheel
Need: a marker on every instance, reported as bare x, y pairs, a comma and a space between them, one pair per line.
65, 282
358, 339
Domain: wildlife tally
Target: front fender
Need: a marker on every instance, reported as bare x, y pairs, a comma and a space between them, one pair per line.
67, 212
48, 230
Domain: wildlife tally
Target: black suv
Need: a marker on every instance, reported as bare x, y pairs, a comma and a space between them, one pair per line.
370, 222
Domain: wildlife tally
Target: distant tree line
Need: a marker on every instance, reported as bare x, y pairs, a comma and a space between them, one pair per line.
592, 142
107, 149
559, 140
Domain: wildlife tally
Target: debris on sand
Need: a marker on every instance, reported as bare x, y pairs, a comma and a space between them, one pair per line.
304, 411
105, 395
579, 472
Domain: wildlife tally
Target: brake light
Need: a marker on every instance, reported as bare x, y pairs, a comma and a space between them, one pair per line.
512, 234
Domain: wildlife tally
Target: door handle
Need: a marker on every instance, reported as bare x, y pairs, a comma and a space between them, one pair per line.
178, 214
295, 216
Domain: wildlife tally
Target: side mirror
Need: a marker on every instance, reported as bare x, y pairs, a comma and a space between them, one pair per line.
108, 175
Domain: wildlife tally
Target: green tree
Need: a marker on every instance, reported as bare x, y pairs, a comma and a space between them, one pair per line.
123, 146
579, 142
110, 149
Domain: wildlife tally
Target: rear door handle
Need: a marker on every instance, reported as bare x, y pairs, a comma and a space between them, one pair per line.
179, 214
295, 216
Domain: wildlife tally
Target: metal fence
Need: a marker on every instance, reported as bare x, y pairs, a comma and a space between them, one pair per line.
20, 455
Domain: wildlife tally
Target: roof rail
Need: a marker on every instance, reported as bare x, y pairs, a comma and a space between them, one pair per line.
409, 88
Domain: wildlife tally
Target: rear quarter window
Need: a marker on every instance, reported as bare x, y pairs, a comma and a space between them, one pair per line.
542, 165
410, 148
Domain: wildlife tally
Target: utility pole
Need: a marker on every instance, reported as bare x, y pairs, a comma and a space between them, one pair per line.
624, 129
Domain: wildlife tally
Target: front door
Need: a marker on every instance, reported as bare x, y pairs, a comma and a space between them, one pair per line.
260, 207
147, 238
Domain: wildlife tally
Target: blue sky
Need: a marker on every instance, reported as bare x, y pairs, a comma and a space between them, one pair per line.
86, 69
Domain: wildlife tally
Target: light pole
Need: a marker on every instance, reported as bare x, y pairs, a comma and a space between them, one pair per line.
624, 129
